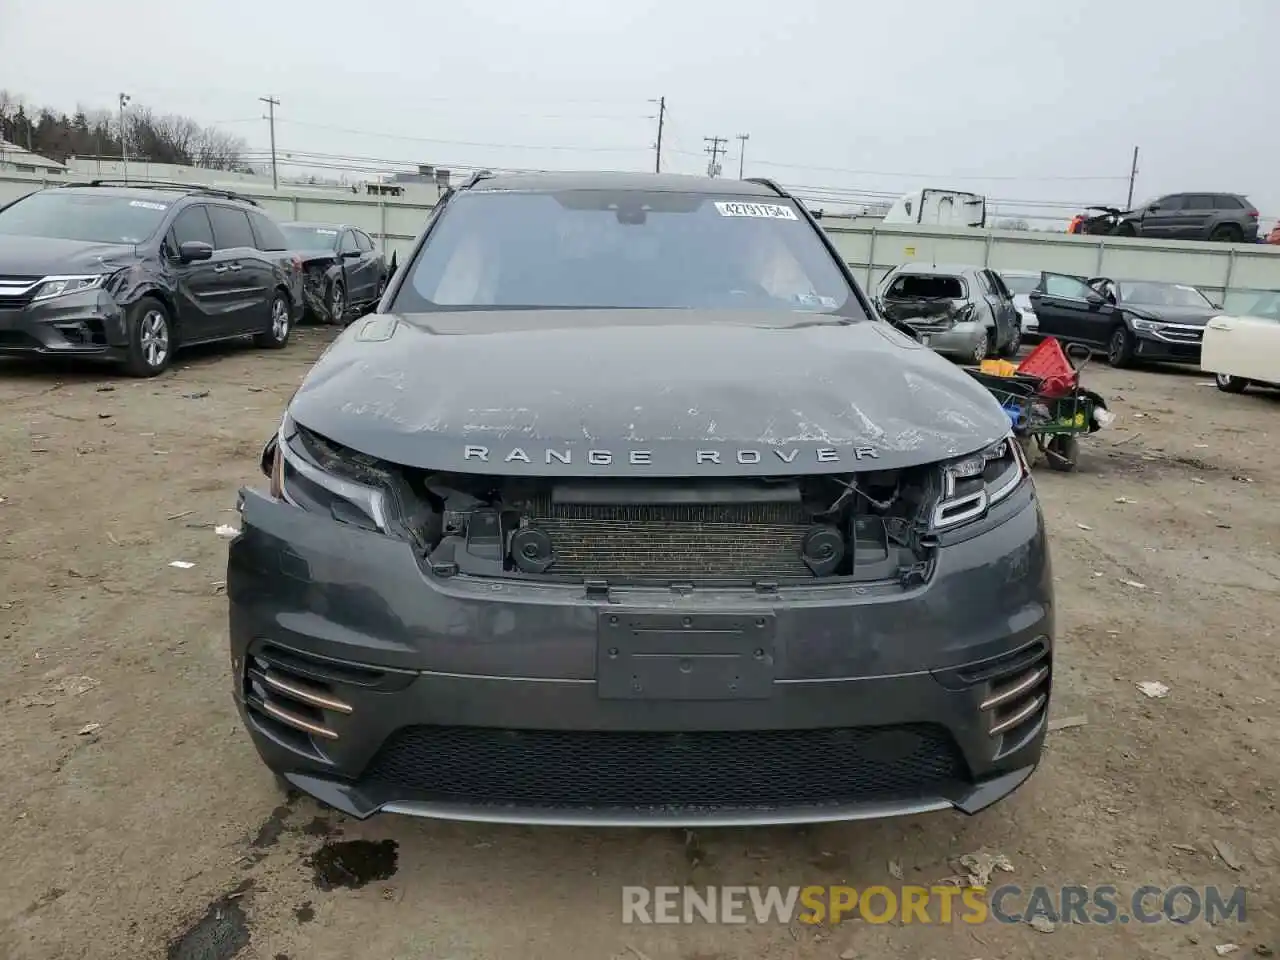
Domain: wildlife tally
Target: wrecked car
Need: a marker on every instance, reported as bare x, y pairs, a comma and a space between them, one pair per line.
1220, 217
343, 273
625, 508
960, 311
128, 273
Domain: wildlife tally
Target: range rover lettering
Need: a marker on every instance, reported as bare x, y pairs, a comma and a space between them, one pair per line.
626, 508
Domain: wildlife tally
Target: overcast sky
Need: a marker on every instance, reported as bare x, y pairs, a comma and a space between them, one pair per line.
1030, 101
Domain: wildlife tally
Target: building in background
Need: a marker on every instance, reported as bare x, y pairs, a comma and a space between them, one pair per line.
17, 160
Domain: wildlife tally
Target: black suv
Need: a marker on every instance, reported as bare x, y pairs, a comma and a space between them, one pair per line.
1227, 217
128, 272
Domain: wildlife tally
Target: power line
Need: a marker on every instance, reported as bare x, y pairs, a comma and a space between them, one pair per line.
929, 176
464, 143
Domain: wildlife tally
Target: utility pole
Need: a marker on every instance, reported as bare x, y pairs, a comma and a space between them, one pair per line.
124, 139
272, 103
715, 147
1133, 175
662, 116
742, 139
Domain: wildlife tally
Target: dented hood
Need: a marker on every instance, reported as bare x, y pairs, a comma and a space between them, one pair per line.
645, 393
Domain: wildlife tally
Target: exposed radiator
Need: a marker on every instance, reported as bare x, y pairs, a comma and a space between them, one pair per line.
671, 541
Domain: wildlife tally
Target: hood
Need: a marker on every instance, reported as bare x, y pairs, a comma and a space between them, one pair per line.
648, 393
313, 253
43, 257
1195, 316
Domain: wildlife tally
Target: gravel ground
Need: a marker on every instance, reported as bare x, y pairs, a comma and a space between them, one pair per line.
139, 823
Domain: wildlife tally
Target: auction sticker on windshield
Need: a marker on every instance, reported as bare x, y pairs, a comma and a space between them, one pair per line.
768, 211
147, 205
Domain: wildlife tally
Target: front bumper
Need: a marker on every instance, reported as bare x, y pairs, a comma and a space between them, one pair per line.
487, 700
1176, 347
78, 324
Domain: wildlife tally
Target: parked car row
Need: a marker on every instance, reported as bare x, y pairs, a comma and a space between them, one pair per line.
129, 272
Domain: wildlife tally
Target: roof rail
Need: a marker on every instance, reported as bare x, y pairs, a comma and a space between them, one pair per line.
199, 188
771, 184
475, 178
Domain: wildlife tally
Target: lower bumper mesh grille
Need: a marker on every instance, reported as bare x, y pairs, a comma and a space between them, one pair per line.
730, 541
723, 770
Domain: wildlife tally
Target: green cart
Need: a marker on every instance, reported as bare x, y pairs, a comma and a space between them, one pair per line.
1053, 423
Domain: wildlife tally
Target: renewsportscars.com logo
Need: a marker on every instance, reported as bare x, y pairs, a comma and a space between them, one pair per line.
943, 904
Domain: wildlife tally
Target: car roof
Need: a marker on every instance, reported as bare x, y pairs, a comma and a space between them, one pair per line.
549, 182
1018, 273
172, 193
134, 193
308, 225
939, 269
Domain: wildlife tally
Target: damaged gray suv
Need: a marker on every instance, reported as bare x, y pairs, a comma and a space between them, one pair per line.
625, 508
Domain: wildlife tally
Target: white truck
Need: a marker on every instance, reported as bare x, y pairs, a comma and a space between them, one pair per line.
939, 208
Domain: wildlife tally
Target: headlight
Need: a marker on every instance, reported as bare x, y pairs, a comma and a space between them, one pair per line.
971, 485
57, 286
1147, 326
317, 477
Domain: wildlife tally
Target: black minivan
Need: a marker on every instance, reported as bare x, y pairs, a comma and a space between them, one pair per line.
129, 272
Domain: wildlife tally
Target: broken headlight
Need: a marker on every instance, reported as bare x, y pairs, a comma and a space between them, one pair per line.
972, 484
316, 476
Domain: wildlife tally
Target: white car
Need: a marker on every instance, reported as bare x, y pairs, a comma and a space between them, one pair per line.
1245, 349
1020, 284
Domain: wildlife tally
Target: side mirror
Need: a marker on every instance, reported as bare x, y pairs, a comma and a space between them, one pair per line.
1096, 299
268, 458
194, 250
1153, 208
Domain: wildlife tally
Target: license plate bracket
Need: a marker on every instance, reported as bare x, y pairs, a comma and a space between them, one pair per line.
685, 656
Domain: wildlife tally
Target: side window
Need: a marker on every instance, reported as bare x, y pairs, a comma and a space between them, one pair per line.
348, 242
364, 242
267, 235
192, 224
1197, 201
230, 227
997, 282
1225, 201
1173, 201
1057, 285
984, 282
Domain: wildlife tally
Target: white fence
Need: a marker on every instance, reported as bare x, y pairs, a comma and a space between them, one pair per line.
1232, 273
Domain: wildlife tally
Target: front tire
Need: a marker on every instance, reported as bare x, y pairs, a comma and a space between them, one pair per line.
1120, 348
1010, 349
1126, 229
150, 338
276, 336
338, 305
1229, 384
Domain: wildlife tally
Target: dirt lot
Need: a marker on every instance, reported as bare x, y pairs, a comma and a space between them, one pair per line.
136, 812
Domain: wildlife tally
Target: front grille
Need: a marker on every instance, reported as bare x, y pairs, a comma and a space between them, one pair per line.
698, 541
1186, 335
15, 291
626, 770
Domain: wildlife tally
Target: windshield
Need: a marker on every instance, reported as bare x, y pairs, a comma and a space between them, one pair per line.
622, 249
1020, 285
63, 214
313, 238
1267, 305
1163, 294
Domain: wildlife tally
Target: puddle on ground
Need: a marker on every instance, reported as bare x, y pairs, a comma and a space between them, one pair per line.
219, 935
354, 863
305, 913
272, 827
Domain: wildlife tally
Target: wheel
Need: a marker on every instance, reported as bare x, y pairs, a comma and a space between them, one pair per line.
1120, 348
1226, 233
1229, 384
1010, 349
337, 303
1067, 450
150, 338
1126, 229
981, 348
276, 336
